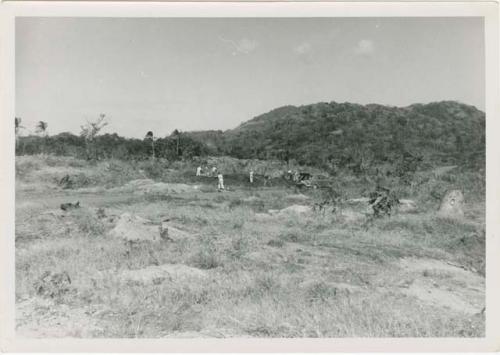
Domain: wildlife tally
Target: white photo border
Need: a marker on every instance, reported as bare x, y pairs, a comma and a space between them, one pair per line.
489, 10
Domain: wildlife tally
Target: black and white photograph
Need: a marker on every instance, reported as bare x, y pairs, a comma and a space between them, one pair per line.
250, 177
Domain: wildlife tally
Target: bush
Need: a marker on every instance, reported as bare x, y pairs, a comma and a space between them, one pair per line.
382, 201
207, 256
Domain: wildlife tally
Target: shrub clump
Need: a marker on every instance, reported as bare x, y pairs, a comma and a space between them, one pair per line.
382, 201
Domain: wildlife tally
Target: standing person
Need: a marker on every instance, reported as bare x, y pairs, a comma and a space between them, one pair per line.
198, 171
220, 178
251, 176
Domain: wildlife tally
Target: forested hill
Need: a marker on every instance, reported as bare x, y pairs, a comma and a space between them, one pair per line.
325, 135
344, 133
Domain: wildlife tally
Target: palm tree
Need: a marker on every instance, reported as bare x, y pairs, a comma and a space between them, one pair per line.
17, 122
41, 128
151, 136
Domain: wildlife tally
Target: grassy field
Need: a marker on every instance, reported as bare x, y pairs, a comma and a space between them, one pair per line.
239, 270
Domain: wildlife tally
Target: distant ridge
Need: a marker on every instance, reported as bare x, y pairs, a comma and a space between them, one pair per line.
321, 133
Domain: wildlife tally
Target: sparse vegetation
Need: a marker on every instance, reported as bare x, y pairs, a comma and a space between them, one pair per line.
247, 266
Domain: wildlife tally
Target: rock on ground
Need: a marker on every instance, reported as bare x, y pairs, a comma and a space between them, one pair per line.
176, 273
452, 205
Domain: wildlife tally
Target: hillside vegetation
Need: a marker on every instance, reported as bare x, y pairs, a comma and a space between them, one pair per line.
326, 135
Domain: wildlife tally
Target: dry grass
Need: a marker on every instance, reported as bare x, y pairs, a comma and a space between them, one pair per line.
282, 276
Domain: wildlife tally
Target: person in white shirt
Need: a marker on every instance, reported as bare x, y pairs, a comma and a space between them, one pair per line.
198, 171
220, 178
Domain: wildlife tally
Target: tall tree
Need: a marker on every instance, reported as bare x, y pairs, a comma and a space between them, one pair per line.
177, 134
89, 131
150, 136
17, 125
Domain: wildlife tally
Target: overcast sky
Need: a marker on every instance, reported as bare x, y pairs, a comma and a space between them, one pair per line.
196, 74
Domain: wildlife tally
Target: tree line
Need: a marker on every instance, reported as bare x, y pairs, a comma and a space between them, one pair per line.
92, 145
331, 136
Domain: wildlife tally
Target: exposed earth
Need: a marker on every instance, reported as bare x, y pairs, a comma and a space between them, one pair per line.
154, 259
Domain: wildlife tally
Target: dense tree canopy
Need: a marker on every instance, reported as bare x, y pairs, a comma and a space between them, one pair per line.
327, 135
342, 133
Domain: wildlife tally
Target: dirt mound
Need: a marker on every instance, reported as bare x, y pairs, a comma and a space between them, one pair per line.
139, 182
172, 233
292, 210
176, 273
351, 216
297, 197
135, 229
440, 284
148, 186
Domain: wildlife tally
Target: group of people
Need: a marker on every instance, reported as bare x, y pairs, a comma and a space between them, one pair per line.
205, 171
212, 172
295, 176
220, 177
